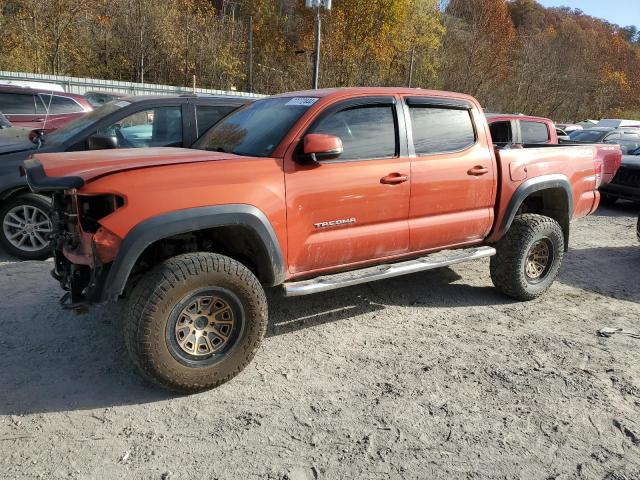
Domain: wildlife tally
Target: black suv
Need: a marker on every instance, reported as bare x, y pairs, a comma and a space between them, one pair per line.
129, 122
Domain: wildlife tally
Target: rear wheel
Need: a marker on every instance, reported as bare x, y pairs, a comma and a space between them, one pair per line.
195, 321
25, 228
528, 257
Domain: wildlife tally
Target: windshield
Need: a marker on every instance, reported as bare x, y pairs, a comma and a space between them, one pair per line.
64, 133
589, 135
257, 129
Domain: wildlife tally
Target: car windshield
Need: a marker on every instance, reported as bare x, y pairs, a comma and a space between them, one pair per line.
257, 129
589, 135
64, 133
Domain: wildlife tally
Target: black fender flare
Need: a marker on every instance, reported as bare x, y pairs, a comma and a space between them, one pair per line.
531, 186
191, 220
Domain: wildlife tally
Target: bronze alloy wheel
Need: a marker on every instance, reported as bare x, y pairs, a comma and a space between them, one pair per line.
204, 326
539, 260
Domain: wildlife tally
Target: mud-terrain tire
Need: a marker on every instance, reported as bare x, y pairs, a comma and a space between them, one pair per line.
24, 226
181, 308
528, 257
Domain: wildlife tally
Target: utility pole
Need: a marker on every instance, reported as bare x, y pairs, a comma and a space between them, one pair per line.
413, 50
316, 59
250, 53
317, 5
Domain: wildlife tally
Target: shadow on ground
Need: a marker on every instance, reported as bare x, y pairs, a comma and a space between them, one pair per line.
55, 360
610, 271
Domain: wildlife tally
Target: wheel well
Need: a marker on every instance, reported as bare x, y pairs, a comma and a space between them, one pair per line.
7, 194
238, 242
550, 202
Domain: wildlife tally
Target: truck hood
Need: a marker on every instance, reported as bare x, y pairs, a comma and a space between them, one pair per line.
59, 171
93, 164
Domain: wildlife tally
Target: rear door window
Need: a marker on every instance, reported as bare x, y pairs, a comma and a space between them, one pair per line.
367, 131
208, 115
440, 130
60, 105
17, 104
157, 127
534, 132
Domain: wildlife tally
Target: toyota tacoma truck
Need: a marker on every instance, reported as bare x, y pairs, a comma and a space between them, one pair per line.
308, 192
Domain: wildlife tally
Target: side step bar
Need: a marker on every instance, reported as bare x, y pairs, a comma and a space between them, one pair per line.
370, 274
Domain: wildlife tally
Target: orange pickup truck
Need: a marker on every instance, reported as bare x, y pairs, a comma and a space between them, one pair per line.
307, 191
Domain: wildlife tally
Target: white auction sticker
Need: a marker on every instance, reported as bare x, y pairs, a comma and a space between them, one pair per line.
123, 103
302, 101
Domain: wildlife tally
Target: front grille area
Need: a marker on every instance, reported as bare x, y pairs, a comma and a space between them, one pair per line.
629, 177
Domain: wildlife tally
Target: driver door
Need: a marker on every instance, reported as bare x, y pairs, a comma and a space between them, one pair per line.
352, 209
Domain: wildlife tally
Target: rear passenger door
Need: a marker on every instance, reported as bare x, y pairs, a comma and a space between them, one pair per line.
352, 209
452, 174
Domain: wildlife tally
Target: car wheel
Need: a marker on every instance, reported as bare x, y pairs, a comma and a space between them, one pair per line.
195, 321
528, 257
26, 226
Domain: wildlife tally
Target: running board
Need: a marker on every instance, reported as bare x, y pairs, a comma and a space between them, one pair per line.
379, 272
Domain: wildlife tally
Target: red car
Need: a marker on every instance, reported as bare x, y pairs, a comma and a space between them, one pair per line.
41, 109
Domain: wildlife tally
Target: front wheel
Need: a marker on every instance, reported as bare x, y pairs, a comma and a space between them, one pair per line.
25, 228
195, 321
528, 257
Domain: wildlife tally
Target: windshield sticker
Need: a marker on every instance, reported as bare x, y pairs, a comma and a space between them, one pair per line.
302, 101
123, 103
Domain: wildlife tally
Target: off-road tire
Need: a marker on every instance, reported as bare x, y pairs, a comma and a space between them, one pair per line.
508, 266
160, 292
30, 200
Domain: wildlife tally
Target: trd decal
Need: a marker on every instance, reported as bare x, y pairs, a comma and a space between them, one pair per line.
334, 223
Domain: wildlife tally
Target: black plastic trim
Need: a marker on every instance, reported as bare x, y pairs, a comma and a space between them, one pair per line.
191, 220
39, 181
440, 102
531, 186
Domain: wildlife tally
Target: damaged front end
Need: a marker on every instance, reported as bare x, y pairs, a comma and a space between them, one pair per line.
83, 250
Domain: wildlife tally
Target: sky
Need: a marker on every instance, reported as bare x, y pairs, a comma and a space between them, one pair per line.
621, 12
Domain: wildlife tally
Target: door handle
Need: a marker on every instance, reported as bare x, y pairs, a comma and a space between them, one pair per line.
394, 179
477, 170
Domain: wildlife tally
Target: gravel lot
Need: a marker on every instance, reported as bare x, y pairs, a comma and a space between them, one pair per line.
433, 375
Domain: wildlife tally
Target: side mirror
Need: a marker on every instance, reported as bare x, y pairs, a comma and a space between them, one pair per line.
99, 141
319, 146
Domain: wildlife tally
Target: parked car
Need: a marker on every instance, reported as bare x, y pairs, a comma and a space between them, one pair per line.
602, 134
292, 191
132, 122
618, 123
97, 99
569, 127
562, 135
626, 183
510, 128
4, 122
41, 109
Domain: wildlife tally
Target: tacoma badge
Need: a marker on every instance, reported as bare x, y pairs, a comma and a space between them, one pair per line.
334, 223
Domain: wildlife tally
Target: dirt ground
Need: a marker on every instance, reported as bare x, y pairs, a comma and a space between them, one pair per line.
433, 375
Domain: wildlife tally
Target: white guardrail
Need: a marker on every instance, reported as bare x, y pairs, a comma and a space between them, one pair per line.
83, 85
